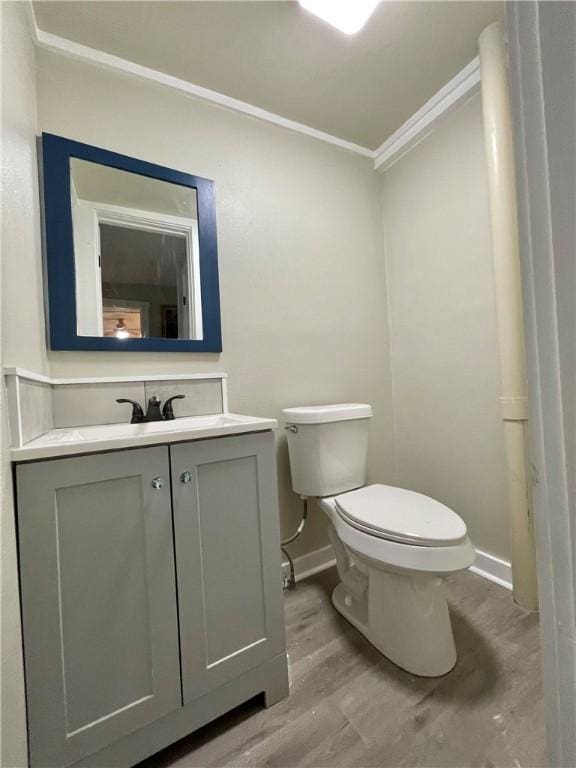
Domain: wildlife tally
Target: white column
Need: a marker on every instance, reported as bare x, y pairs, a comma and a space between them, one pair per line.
507, 276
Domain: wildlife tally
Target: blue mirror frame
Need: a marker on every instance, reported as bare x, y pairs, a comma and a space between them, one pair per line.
59, 250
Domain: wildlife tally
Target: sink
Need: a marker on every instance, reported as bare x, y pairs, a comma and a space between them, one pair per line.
116, 431
103, 437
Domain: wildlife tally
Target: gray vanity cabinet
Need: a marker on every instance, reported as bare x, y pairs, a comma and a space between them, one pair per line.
151, 595
98, 600
227, 558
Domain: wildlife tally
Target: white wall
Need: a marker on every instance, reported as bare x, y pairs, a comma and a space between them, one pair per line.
443, 325
300, 251
22, 327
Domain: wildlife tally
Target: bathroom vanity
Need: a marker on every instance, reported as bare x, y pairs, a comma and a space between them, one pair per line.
149, 566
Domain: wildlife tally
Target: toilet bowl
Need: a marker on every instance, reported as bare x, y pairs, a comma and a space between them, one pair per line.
393, 546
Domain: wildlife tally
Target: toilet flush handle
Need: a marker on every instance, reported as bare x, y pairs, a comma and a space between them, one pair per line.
291, 428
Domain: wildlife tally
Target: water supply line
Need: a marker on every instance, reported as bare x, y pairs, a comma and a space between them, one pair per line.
290, 580
507, 277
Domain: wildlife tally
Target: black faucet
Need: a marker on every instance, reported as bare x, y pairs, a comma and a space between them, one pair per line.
153, 412
167, 410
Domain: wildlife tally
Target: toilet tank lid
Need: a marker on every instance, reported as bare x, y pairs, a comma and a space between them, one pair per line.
318, 414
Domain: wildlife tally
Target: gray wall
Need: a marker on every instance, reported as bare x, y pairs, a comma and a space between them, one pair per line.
443, 325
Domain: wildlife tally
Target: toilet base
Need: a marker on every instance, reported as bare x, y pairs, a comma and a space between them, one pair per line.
405, 616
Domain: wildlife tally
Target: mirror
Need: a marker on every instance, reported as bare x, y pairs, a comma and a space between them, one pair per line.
135, 254
140, 249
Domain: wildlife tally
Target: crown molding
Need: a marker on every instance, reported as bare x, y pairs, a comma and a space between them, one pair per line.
32, 23
449, 96
80, 52
456, 90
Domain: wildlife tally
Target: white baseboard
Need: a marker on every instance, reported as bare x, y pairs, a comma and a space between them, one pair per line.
488, 566
312, 562
493, 568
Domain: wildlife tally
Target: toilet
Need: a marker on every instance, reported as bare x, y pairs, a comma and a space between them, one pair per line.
393, 546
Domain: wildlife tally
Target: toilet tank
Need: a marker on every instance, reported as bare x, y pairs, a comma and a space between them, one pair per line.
328, 447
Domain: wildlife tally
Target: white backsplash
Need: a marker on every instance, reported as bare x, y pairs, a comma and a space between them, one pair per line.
38, 404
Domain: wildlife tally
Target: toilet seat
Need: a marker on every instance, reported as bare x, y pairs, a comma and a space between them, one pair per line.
394, 554
402, 516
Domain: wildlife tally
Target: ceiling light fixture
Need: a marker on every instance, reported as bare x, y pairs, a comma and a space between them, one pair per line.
120, 330
348, 16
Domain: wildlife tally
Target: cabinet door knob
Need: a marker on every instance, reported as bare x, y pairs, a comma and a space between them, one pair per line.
157, 483
186, 477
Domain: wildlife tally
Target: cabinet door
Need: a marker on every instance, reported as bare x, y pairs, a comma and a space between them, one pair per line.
98, 600
227, 558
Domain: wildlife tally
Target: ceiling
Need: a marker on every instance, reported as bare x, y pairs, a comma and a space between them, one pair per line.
279, 57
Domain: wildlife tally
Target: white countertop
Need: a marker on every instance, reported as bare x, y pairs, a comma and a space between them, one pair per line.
110, 437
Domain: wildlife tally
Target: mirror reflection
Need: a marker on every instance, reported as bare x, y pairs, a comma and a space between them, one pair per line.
136, 255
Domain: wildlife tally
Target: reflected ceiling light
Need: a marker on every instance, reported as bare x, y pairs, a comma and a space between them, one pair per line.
120, 330
348, 16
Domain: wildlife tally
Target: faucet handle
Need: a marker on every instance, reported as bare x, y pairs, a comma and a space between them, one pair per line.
167, 410
137, 412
